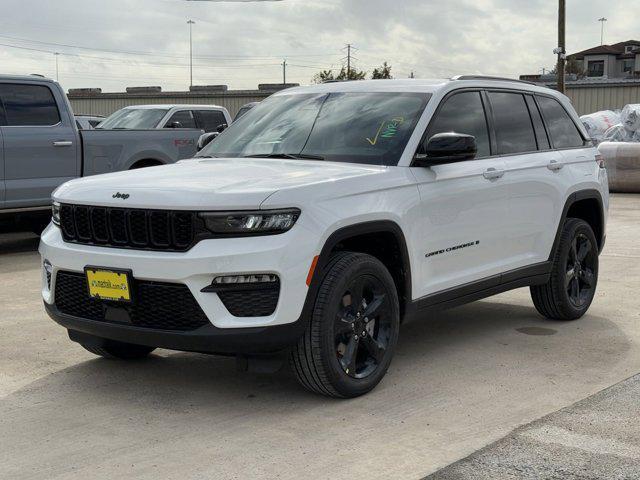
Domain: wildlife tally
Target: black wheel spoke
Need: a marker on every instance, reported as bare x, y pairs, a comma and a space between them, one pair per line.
374, 348
568, 277
574, 251
348, 360
575, 290
588, 277
584, 250
374, 306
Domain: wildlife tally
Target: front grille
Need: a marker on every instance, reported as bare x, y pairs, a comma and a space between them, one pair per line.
129, 228
260, 301
163, 306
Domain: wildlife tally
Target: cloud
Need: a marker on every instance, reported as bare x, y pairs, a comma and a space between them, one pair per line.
243, 42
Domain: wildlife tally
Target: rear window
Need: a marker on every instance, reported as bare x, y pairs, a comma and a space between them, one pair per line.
563, 132
210, 120
29, 105
514, 130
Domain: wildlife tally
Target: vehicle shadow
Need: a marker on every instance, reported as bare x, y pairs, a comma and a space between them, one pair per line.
18, 242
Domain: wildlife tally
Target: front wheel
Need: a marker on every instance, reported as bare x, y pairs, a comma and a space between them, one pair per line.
574, 275
350, 340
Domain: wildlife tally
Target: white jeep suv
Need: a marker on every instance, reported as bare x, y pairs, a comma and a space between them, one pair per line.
327, 216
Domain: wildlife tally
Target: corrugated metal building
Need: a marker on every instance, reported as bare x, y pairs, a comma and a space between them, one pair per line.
93, 101
590, 95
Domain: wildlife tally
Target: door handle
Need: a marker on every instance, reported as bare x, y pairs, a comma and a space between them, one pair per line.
554, 165
492, 173
63, 143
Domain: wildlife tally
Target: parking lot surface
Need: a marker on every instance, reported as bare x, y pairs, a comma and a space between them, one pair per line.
459, 381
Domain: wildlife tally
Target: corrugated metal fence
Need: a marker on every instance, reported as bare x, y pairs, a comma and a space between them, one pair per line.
589, 99
107, 103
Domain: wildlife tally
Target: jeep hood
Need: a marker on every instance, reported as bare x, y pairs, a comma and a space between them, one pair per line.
206, 184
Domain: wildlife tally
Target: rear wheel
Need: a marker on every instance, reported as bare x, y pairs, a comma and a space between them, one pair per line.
352, 334
574, 276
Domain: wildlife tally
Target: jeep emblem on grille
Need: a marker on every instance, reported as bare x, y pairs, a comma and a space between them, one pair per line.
123, 196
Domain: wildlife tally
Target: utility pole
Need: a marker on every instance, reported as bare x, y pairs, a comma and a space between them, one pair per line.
348, 61
284, 71
57, 76
191, 23
561, 50
602, 20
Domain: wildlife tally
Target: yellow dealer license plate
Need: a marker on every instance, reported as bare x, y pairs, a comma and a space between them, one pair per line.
108, 284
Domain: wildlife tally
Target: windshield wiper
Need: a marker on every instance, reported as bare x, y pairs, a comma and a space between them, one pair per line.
293, 156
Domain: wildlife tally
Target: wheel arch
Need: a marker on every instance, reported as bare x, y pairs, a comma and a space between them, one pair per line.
586, 205
383, 239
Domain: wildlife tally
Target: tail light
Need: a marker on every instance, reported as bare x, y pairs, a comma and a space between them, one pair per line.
600, 160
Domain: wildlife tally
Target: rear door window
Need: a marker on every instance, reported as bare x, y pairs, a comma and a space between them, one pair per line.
29, 105
463, 113
513, 127
181, 119
564, 133
538, 125
210, 120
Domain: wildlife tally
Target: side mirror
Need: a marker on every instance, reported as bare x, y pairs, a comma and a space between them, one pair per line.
206, 139
448, 148
174, 125
221, 128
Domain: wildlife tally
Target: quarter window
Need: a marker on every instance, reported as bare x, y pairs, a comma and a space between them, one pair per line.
464, 113
563, 131
514, 130
29, 105
538, 125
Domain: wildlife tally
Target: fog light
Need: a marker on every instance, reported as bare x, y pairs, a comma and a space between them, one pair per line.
233, 282
48, 271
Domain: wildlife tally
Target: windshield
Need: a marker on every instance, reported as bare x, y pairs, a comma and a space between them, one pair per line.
371, 128
134, 118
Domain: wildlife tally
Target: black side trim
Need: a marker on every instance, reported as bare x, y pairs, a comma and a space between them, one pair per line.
537, 274
573, 198
207, 339
377, 226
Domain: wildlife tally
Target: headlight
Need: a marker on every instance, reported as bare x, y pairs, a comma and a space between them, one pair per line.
55, 213
250, 223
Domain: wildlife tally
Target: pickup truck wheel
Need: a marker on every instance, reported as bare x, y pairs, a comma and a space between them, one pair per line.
118, 350
574, 275
353, 330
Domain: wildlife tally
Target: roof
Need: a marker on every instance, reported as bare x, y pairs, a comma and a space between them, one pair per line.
411, 85
22, 78
169, 106
615, 49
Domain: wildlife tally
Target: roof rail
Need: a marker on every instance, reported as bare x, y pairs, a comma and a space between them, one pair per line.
486, 77
36, 75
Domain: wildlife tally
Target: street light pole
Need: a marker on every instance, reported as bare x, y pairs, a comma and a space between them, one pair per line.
602, 20
191, 23
57, 76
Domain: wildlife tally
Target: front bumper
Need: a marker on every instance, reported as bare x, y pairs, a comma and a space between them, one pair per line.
196, 269
207, 339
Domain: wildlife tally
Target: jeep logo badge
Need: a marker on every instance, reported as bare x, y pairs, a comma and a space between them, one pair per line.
123, 196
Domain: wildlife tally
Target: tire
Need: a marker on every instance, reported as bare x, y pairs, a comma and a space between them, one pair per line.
344, 354
118, 350
574, 270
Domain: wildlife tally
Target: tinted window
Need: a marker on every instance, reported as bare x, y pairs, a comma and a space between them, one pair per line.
29, 105
371, 128
514, 131
463, 113
184, 118
538, 126
563, 131
209, 120
134, 118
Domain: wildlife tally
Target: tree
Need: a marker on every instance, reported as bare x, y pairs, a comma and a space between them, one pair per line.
572, 67
383, 72
327, 75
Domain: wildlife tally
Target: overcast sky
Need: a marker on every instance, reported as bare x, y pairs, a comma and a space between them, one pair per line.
242, 43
